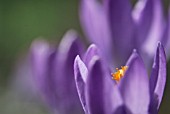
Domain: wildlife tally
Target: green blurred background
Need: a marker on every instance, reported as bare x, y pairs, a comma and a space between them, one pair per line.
21, 21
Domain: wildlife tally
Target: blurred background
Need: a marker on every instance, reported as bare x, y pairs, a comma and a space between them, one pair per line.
21, 21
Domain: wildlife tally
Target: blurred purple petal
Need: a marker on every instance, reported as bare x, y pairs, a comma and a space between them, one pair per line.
53, 70
157, 29
65, 88
94, 22
134, 86
167, 36
158, 76
142, 15
41, 52
122, 28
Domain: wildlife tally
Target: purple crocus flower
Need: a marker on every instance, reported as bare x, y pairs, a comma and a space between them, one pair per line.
117, 28
133, 94
53, 73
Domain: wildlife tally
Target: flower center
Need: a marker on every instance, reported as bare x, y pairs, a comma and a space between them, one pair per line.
119, 73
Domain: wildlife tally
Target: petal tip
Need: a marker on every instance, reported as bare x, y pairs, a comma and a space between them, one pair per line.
160, 47
133, 57
70, 40
39, 46
70, 36
77, 58
80, 67
94, 60
134, 51
159, 44
93, 46
134, 54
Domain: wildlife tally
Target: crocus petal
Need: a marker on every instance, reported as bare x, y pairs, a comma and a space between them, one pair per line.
122, 27
94, 22
40, 55
156, 30
142, 15
81, 72
134, 86
90, 53
95, 90
158, 76
167, 36
100, 98
65, 87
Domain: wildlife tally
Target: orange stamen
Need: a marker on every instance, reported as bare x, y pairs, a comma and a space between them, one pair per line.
119, 73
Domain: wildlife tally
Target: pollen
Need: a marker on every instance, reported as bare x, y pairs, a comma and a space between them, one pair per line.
119, 73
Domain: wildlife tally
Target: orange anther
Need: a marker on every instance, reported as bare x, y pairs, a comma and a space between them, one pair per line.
119, 73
